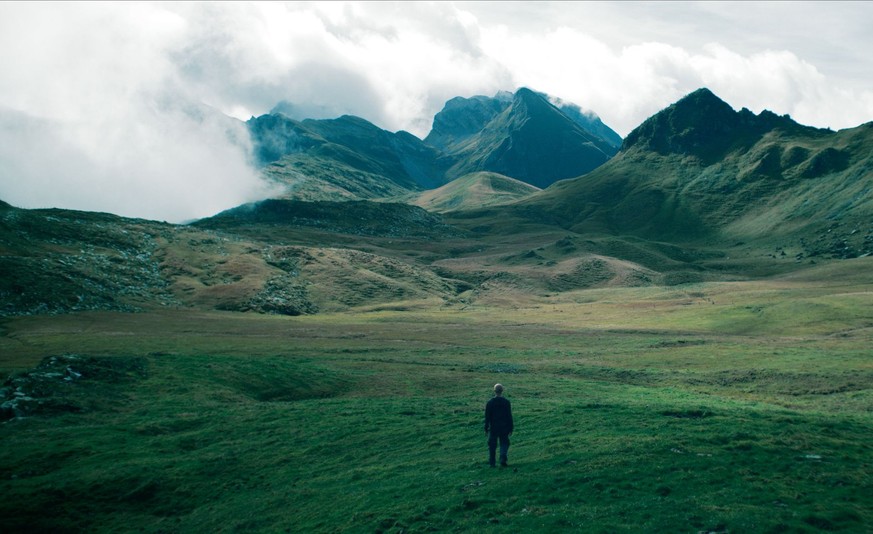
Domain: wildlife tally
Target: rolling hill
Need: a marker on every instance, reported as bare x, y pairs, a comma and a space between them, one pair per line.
475, 190
279, 257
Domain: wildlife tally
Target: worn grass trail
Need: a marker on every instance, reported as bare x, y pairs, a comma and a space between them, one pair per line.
628, 419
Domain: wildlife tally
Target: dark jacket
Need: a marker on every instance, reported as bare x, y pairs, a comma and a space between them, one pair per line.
498, 416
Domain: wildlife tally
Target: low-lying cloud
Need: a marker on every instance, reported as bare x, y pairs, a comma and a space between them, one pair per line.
96, 116
126, 107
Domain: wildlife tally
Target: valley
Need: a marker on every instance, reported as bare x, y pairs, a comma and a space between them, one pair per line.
727, 406
682, 320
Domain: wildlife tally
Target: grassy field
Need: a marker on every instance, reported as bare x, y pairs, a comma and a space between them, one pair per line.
712, 407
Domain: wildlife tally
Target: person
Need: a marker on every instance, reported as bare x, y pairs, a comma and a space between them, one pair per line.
498, 425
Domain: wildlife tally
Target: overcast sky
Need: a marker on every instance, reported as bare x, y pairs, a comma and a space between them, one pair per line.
121, 107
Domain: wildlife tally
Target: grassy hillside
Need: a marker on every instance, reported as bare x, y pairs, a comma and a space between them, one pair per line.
764, 186
58, 261
475, 190
717, 407
54, 261
684, 334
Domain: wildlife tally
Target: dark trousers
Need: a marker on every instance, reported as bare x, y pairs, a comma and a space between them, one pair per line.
493, 437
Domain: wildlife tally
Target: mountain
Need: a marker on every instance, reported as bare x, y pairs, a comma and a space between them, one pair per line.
475, 190
588, 120
697, 192
462, 118
703, 125
530, 140
700, 172
523, 135
342, 158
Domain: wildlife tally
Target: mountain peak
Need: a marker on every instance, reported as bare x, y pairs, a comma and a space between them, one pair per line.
531, 140
703, 125
523, 93
532, 102
462, 118
700, 96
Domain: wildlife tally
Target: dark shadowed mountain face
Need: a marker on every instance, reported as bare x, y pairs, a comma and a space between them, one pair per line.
462, 118
530, 140
703, 125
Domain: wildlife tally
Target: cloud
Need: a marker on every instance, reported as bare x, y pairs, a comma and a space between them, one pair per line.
396, 64
627, 85
95, 117
393, 64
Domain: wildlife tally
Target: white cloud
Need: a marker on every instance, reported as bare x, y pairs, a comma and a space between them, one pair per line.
94, 117
628, 85
393, 64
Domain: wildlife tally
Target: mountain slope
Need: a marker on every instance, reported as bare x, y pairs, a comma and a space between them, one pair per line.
462, 118
58, 261
589, 121
347, 157
532, 141
699, 170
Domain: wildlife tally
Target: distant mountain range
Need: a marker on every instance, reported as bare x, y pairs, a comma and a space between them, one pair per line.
522, 136
514, 196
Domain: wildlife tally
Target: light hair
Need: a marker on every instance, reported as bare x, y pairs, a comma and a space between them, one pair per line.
498, 388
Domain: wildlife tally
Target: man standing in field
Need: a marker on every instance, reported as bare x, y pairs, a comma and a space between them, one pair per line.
498, 425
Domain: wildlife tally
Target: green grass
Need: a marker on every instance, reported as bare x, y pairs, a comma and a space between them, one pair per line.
637, 410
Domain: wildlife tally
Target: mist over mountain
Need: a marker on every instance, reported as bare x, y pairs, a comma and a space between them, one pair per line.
346, 158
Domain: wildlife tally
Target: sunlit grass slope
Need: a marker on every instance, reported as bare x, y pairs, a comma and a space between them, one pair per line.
716, 407
475, 190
